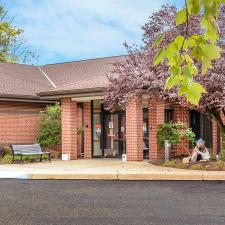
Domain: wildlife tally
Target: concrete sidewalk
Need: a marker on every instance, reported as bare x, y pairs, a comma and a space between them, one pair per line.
103, 169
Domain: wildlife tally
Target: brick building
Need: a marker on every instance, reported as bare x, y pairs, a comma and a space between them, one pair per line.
79, 86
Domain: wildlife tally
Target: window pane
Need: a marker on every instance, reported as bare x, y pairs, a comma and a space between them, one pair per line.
97, 106
97, 134
168, 115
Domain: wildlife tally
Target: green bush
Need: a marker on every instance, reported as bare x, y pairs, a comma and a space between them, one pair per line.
222, 155
197, 167
55, 154
170, 163
181, 165
6, 159
174, 132
218, 165
50, 126
5, 150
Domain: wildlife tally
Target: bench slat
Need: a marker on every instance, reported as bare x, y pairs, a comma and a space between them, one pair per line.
27, 149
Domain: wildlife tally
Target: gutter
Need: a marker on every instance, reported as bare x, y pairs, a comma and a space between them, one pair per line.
72, 93
24, 98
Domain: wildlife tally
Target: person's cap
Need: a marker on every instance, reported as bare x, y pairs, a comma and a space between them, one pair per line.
199, 141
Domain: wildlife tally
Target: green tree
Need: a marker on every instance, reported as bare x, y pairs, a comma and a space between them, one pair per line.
50, 126
13, 47
183, 54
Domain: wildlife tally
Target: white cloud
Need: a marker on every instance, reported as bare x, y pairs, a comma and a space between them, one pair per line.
74, 29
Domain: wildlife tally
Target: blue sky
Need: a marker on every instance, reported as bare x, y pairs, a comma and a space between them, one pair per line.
67, 30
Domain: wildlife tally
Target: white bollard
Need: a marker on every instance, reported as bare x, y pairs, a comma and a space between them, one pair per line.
167, 150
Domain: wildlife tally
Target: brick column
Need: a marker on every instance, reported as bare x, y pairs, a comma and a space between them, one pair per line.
69, 125
156, 110
87, 130
181, 115
221, 140
134, 129
214, 138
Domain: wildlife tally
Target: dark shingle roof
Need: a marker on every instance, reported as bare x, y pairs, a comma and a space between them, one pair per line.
27, 80
80, 74
21, 80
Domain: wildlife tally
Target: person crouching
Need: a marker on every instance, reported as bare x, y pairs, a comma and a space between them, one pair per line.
200, 152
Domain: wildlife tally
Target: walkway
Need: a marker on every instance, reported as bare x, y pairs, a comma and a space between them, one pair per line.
105, 169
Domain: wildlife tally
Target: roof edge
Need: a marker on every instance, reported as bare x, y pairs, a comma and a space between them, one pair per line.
24, 98
71, 91
82, 60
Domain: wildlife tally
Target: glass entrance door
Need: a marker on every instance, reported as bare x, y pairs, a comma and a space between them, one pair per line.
122, 133
111, 135
114, 135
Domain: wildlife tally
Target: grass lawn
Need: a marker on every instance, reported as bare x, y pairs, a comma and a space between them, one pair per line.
8, 158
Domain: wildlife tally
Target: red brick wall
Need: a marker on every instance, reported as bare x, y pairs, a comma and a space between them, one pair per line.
156, 111
181, 115
223, 119
87, 130
134, 129
214, 138
69, 127
19, 122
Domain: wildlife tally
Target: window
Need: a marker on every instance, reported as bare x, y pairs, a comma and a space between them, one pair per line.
168, 115
97, 106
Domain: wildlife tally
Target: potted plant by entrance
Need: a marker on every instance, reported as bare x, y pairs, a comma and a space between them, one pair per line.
170, 134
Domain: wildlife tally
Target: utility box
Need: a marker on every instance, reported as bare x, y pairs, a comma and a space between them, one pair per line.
124, 157
65, 157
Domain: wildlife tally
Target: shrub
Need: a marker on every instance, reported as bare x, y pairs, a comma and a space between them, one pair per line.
6, 159
222, 155
50, 126
174, 132
170, 163
55, 154
213, 158
181, 165
197, 167
5, 150
218, 165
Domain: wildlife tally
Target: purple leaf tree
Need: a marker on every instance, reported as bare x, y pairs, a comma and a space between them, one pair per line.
136, 71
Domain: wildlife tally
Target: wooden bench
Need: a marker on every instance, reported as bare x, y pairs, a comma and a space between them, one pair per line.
27, 150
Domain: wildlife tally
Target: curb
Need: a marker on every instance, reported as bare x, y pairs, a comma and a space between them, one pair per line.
73, 176
121, 176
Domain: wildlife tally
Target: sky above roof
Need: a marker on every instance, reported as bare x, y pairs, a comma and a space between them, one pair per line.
67, 30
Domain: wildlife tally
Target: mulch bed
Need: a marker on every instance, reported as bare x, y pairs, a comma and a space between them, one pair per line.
176, 162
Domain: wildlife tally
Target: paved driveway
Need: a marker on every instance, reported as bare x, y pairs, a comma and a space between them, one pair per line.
33, 202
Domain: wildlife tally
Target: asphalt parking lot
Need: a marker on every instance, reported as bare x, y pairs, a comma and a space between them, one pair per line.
42, 202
